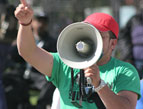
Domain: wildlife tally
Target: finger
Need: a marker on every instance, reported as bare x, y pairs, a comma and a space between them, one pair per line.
94, 66
89, 75
19, 17
23, 2
20, 6
19, 13
28, 9
18, 10
90, 69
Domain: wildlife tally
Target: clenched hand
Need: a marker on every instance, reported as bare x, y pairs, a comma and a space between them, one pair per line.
24, 12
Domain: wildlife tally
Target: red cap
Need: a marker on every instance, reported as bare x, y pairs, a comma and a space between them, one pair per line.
103, 22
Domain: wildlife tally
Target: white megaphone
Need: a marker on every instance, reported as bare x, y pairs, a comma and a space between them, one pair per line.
79, 45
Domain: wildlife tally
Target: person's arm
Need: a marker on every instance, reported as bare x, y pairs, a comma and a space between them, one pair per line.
37, 57
122, 100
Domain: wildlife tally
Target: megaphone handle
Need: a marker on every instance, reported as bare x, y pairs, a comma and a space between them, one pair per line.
89, 81
82, 83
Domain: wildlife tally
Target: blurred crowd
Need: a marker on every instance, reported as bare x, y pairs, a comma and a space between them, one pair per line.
23, 87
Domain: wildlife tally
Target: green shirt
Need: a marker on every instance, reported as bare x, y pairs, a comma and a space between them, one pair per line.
117, 74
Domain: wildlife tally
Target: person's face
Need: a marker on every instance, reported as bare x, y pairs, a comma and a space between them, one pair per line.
108, 44
35, 24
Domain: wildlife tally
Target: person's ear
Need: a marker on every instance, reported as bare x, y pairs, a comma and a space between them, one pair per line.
113, 43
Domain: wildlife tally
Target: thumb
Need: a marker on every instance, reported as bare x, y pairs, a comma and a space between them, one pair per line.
23, 2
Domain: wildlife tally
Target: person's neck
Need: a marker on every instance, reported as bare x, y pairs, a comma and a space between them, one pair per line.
103, 60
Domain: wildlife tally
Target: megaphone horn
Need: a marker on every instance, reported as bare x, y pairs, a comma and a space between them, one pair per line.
79, 45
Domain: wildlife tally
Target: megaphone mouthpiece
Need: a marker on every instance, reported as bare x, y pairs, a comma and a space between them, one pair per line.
84, 47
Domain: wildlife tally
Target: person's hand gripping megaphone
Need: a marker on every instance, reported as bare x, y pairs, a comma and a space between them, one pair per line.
24, 13
93, 74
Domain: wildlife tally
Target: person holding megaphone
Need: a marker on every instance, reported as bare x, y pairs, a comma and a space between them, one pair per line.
83, 69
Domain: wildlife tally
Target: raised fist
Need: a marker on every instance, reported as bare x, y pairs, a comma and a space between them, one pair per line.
24, 12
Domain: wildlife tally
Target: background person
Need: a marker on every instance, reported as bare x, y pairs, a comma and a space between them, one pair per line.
130, 44
47, 42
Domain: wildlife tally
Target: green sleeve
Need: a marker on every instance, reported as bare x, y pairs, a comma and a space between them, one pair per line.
128, 79
55, 69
